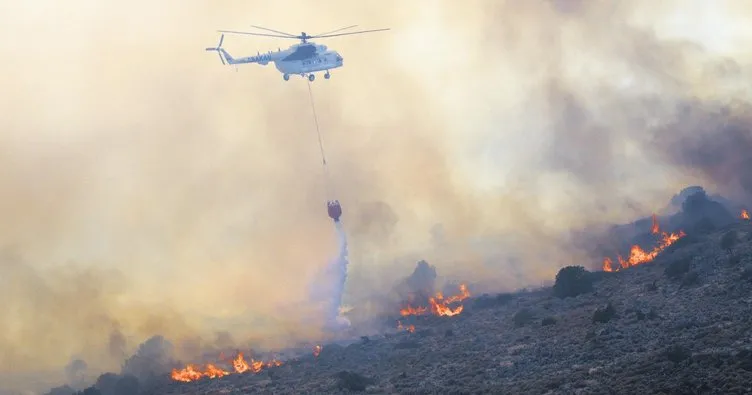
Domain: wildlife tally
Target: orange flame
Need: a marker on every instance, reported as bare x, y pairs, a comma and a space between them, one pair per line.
187, 374
409, 310
317, 350
655, 229
192, 373
409, 328
638, 256
745, 214
440, 305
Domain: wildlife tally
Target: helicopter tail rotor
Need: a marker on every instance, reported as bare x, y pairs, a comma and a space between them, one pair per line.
219, 49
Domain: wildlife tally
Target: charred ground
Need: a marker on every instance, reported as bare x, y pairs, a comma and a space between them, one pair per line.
681, 324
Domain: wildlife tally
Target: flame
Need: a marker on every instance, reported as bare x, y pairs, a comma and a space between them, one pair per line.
409, 328
187, 374
214, 372
655, 229
638, 256
192, 372
440, 305
409, 310
745, 214
317, 350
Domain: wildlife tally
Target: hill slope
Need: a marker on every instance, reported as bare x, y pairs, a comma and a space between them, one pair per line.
682, 325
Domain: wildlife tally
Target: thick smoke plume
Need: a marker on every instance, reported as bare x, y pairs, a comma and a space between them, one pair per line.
146, 189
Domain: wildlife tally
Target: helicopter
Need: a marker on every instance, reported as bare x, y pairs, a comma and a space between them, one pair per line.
304, 58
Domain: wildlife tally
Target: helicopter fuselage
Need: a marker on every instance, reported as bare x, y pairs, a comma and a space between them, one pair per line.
319, 62
302, 59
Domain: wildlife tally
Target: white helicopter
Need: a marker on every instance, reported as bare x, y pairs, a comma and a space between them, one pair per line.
303, 59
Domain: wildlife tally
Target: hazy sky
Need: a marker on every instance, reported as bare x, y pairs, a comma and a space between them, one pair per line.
145, 187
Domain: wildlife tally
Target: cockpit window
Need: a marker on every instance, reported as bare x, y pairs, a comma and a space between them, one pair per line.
302, 52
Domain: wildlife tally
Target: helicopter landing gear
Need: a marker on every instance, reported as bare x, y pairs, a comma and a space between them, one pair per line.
327, 75
286, 77
311, 77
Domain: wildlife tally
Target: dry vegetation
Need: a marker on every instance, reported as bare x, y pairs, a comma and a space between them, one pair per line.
680, 324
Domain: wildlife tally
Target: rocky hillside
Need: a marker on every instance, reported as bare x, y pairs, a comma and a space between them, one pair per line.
681, 324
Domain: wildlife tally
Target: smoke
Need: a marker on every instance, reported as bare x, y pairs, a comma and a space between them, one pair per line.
149, 190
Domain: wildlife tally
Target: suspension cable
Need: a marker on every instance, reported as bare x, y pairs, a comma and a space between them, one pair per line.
327, 185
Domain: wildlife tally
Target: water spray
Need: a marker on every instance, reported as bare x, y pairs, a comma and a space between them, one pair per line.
338, 266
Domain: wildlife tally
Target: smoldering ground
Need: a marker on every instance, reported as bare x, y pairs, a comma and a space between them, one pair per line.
188, 199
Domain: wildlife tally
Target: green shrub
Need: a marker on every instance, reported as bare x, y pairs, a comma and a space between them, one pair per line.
572, 281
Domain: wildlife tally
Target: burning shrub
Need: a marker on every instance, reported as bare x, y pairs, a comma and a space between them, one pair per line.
572, 281
728, 241
523, 317
677, 268
351, 381
604, 314
681, 243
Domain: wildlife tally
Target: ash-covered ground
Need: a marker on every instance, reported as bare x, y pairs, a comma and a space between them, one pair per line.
680, 324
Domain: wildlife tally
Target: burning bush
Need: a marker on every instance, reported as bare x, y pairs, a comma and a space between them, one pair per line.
572, 281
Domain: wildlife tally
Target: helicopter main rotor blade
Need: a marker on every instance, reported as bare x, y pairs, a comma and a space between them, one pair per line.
273, 31
345, 34
255, 34
335, 31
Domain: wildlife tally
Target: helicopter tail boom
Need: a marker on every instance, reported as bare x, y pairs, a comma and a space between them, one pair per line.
223, 55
